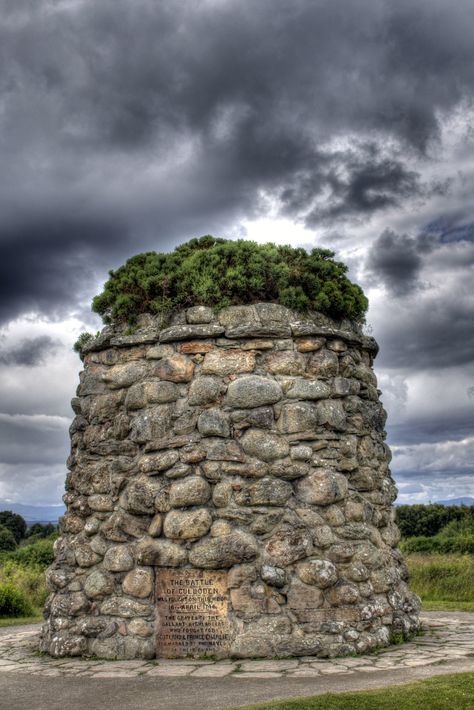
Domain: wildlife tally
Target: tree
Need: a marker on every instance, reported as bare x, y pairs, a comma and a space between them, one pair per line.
7, 540
428, 520
41, 530
15, 523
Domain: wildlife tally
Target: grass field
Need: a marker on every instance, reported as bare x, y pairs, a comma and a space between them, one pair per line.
443, 582
20, 620
449, 692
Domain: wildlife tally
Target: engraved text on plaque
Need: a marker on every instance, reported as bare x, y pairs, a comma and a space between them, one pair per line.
192, 613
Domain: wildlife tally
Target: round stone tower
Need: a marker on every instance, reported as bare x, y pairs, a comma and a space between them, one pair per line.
229, 493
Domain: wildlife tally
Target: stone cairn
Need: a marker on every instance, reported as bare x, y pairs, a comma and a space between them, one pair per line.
229, 494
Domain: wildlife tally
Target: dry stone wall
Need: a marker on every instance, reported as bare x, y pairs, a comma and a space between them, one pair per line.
229, 493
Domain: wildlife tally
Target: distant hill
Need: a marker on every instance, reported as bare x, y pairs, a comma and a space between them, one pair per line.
464, 500
35, 513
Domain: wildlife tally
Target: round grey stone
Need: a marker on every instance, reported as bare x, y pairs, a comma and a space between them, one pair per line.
275, 576
264, 445
139, 582
204, 390
98, 584
187, 524
322, 573
253, 391
189, 491
118, 559
162, 553
224, 552
308, 389
199, 314
322, 487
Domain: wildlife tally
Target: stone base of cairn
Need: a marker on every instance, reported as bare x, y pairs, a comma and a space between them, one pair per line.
229, 494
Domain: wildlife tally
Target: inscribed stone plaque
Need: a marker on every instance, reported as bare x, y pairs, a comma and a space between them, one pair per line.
192, 613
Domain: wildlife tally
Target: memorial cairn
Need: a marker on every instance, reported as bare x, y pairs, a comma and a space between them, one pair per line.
229, 493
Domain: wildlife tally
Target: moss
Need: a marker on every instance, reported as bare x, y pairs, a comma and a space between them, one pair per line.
219, 273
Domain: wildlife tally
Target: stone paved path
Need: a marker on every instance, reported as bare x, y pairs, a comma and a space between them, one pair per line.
449, 636
29, 681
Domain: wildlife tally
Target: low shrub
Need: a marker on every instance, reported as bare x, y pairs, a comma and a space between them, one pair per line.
455, 536
14, 602
439, 544
219, 272
39, 553
82, 341
28, 580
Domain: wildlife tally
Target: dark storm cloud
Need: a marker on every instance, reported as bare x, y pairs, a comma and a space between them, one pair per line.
355, 183
428, 281
160, 121
437, 335
48, 261
35, 439
429, 430
397, 259
29, 352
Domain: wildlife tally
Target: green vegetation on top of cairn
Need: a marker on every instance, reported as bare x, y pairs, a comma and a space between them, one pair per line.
220, 272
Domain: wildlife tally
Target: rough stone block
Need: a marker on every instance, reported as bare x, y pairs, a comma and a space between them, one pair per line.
199, 314
214, 422
288, 545
321, 573
174, 368
297, 416
190, 332
266, 491
322, 487
139, 582
187, 525
190, 491
253, 391
323, 363
228, 362
224, 552
263, 445
287, 362
161, 553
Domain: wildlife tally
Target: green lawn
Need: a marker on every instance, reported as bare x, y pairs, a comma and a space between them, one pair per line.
17, 620
449, 692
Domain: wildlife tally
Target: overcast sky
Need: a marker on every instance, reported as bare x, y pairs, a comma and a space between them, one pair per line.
128, 126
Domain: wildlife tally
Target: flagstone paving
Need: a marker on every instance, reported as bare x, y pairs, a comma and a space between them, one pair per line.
448, 636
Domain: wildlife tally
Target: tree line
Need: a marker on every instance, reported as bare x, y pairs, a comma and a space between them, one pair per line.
14, 530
